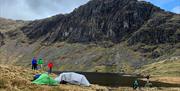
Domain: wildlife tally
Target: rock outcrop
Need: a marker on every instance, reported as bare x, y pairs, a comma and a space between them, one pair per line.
109, 20
1, 39
160, 29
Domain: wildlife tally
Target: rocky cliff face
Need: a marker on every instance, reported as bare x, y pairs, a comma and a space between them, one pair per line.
109, 20
160, 29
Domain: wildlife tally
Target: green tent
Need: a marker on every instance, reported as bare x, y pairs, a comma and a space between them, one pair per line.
44, 79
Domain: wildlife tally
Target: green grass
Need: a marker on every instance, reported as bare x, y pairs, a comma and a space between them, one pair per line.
162, 68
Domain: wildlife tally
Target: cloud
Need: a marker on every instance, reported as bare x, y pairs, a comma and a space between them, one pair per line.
176, 9
168, 5
37, 9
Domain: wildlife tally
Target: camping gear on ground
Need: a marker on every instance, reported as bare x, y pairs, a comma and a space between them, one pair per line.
135, 84
73, 78
50, 65
36, 76
45, 79
147, 78
63, 82
149, 85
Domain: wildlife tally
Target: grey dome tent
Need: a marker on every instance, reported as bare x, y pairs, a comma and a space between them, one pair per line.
73, 78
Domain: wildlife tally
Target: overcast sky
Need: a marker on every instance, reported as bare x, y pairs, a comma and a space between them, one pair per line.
38, 9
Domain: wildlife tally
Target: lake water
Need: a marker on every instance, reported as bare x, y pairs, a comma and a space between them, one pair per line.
118, 79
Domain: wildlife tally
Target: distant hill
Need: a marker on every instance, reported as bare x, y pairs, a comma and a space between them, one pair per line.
9, 25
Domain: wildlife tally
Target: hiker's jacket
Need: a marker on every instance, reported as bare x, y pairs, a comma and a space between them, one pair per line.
40, 61
34, 61
50, 65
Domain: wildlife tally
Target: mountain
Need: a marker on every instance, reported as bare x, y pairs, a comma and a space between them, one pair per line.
102, 35
136, 23
109, 20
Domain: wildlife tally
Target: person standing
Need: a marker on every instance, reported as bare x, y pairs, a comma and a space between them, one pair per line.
147, 79
50, 66
40, 63
34, 63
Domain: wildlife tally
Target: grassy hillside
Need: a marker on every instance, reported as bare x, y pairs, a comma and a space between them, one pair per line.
10, 25
168, 67
13, 78
74, 57
77, 56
